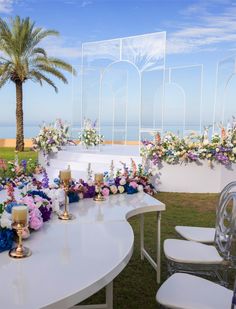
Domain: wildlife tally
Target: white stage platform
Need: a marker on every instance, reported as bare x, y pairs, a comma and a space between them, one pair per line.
190, 177
79, 158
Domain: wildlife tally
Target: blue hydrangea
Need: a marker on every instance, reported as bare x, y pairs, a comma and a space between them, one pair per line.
9, 206
6, 239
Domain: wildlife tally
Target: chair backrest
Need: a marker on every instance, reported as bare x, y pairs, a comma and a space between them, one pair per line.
224, 192
225, 236
233, 306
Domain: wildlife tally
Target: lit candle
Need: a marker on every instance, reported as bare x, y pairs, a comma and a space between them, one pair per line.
65, 175
99, 177
20, 214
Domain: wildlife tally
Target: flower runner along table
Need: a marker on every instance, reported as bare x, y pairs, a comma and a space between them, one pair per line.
73, 260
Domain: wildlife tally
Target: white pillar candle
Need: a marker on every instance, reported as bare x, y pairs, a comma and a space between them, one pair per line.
65, 175
20, 214
99, 177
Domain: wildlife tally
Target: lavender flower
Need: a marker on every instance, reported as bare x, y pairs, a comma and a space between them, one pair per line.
24, 164
45, 180
192, 156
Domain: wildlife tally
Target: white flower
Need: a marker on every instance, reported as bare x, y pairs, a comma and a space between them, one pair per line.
140, 188
5, 220
122, 181
121, 189
234, 150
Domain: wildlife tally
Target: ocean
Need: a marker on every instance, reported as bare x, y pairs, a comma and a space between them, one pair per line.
119, 132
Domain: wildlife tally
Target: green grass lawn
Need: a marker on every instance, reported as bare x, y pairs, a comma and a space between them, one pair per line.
8, 153
135, 287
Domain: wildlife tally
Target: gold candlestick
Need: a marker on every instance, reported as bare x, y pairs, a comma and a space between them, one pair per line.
65, 177
20, 221
98, 181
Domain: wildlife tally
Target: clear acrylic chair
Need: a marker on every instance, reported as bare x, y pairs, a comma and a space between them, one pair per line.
212, 260
204, 234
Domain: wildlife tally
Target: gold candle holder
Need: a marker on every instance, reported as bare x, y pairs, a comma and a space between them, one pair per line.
98, 181
65, 177
20, 221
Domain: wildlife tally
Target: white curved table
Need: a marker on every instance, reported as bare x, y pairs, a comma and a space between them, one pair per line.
73, 260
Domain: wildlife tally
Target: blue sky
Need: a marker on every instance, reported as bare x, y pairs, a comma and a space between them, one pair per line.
198, 32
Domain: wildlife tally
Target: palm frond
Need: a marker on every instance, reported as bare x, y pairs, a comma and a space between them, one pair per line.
39, 77
58, 63
39, 50
21, 54
52, 71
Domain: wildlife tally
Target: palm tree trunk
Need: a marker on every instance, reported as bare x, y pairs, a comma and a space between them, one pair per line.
19, 117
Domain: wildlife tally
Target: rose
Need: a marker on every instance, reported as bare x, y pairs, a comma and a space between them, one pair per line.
26, 233
122, 181
133, 184
140, 188
113, 189
36, 220
121, 189
105, 191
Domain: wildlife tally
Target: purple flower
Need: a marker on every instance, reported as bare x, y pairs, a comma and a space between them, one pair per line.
24, 164
192, 156
46, 212
155, 159
45, 180
219, 156
89, 191
117, 181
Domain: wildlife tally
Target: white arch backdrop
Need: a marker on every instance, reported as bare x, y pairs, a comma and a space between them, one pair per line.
224, 107
124, 85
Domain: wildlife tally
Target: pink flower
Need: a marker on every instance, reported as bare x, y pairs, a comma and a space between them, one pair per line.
29, 201
133, 184
26, 233
105, 191
35, 220
113, 189
81, 195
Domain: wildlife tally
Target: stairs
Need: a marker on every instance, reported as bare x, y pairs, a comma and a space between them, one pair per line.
100, 161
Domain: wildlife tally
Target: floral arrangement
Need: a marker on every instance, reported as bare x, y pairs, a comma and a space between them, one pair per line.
40, 209
90, 136
19, 174
125, 180
43, 199
173, 149
51, 137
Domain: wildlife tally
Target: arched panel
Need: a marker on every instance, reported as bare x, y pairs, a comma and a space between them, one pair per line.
174, 109
224, 92
120, 102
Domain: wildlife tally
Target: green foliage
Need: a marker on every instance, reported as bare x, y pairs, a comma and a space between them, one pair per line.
22, 58
10, 171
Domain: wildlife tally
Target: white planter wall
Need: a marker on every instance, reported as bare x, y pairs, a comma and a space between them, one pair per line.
190, 177
194, 178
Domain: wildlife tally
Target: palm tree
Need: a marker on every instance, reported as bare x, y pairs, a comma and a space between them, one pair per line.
22, 59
